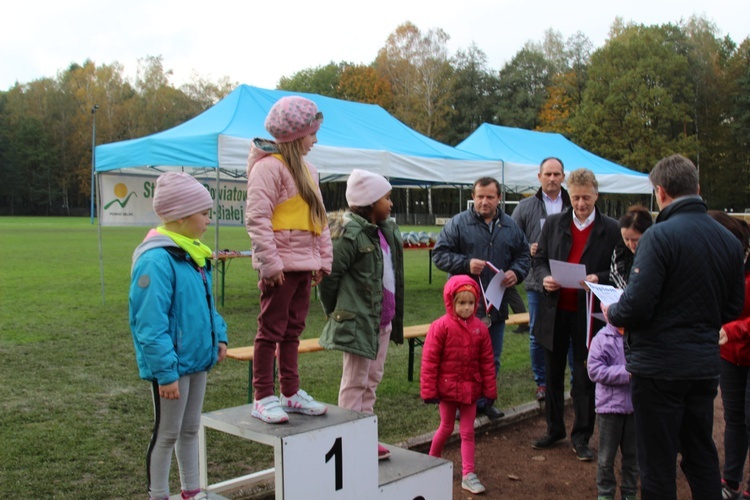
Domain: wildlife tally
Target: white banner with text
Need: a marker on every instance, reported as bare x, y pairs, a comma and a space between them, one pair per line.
127, 200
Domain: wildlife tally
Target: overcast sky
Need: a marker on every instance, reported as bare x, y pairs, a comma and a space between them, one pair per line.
256, 43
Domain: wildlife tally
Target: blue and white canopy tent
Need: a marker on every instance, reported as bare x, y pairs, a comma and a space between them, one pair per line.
353, 135
523, 150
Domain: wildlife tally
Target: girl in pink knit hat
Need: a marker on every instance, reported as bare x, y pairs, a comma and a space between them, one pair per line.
287, 223
177, 332
363, 297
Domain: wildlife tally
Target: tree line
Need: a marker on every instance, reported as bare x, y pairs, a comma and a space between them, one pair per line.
649, 91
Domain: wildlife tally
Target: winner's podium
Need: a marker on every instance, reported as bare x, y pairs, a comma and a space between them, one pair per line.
333, 456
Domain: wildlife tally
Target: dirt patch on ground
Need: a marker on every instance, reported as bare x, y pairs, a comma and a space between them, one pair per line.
509, 468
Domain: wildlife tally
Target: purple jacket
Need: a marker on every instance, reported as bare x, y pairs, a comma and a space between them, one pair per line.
606, 366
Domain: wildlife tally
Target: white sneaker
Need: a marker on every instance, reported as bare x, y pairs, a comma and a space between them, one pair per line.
269, 410
303, 403
471, 483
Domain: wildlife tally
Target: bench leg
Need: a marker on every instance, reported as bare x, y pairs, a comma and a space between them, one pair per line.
411, 360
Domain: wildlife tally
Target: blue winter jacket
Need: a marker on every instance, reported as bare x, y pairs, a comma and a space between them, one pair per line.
467, 236
176, 328
686, 281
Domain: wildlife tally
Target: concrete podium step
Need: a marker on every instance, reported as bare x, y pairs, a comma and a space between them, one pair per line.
332, 456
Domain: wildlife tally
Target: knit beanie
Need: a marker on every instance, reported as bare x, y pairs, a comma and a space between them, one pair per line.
364, 188
465, 288
180, 195
293, 118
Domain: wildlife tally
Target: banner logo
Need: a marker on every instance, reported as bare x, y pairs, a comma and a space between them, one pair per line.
121, 191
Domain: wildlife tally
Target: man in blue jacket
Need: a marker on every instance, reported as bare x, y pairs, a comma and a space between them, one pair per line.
686, 281
475, 237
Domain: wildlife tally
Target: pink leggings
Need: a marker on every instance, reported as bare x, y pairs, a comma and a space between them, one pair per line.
465, 429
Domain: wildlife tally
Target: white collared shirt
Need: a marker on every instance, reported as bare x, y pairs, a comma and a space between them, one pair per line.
583, 225
552, 206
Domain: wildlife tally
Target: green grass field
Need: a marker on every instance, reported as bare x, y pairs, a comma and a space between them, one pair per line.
76, 419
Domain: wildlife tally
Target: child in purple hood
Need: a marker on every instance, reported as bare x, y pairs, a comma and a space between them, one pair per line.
614, 408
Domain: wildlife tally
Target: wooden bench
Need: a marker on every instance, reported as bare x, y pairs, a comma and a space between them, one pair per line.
416, 334
413, 334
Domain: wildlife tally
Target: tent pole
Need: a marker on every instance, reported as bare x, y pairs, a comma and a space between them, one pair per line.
407, 205
99, 230
216, 238
502, 176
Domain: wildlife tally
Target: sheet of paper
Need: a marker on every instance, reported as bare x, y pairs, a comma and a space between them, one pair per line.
495, 290
567, 274
606, 294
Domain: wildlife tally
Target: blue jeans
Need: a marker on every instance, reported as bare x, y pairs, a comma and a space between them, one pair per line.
735, 394
497, 334
616, 431
536, 351
671, 414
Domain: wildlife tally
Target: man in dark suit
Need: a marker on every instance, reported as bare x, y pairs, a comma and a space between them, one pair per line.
582, 235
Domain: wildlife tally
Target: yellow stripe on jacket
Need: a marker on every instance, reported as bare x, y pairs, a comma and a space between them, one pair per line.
294, 213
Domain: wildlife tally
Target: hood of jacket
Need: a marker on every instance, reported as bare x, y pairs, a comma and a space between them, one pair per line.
152, 240
452, 286
259, 149
339, 220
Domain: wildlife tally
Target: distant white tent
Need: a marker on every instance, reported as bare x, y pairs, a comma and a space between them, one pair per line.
523, 150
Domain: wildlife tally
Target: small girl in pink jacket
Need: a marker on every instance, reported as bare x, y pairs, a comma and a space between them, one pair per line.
287, 223
457, 369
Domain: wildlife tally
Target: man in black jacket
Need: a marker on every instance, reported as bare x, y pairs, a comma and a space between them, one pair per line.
686, 281
582, 235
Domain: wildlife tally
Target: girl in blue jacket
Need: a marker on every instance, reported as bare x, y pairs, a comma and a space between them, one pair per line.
177, 332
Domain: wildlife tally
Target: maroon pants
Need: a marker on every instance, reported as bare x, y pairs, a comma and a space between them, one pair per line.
283, 310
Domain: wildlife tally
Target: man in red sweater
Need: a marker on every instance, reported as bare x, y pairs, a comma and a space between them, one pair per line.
582, 235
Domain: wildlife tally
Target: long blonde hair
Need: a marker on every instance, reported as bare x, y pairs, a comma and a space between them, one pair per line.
308, 190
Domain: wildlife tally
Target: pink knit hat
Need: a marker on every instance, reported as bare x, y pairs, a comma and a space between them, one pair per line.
179, 195
292, 118
364, 188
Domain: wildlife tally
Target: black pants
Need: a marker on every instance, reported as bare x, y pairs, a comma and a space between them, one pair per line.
671, 414
513, 296
582, 389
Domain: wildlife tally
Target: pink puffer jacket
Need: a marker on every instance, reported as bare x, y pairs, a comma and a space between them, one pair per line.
269, 183
457, 362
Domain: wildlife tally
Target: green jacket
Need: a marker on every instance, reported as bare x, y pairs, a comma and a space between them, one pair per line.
352, 294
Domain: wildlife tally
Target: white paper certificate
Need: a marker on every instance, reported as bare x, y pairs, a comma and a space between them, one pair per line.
495, 290
566, 274
606, 294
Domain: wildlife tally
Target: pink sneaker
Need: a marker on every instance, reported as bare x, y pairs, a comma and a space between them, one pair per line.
383, 452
